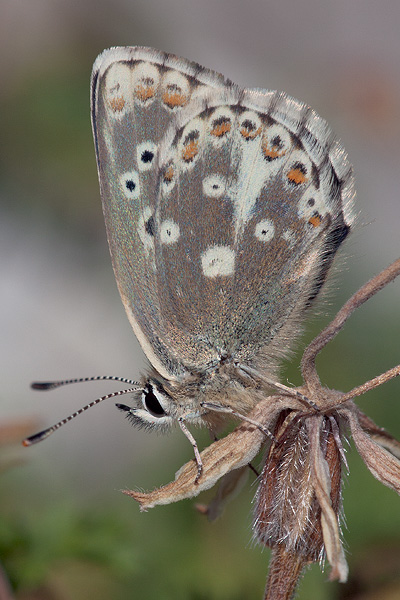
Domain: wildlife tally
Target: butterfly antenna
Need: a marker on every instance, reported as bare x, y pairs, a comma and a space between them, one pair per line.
52, 385
42, 435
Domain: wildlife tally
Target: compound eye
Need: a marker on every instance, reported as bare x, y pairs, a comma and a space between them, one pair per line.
151, 402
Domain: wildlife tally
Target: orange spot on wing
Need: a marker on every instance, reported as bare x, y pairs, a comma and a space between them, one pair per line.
221, 129
296, 176
315, 220
169, 173
174, 98
249, 133
117, 104
190, 151
271, 152
144, 92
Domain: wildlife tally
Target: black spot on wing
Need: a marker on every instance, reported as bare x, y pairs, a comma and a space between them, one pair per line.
150, 226
130, 185
147, 156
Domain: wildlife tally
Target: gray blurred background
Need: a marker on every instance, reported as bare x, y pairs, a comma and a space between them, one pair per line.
61, 315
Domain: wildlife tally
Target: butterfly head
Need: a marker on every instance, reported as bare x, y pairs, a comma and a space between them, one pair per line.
153, 408
159, 404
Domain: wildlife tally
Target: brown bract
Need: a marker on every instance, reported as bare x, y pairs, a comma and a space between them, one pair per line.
298, 501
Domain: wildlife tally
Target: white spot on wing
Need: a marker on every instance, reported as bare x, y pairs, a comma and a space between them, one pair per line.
190, 143
177, 79
145, 81
276, 144
252, 175
265, 231
214, 185
175, 90
311, 202
220, 125
146, 238
169, 172
169, 232
118, 89
218, 261
297, 170
262, 156
130, 185
250, 125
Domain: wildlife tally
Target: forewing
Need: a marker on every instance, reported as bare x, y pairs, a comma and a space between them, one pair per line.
136, 94
254, 200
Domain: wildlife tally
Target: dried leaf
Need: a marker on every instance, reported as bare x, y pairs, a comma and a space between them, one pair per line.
382, 464
329, 520
231, 452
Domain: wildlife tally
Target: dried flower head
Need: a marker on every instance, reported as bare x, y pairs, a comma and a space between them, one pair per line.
298, 501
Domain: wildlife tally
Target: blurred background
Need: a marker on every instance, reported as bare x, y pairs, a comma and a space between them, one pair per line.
66, 532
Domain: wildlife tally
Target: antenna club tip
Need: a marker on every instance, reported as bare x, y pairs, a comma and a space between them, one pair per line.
42, 385
37, 437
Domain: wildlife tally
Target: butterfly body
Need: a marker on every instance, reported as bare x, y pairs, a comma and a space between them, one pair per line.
224, 208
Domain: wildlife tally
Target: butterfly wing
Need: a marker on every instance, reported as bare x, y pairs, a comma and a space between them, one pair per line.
255, 199
136, 95
224, 208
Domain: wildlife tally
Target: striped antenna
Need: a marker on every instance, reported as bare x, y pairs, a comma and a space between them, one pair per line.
52, 385
42, 435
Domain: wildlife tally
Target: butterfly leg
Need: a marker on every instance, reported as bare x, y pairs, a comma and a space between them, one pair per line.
191, 439
230, 411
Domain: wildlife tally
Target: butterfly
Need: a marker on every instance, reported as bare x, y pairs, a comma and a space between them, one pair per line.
224, 208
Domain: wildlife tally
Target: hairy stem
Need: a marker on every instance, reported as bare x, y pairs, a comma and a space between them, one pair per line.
285, 570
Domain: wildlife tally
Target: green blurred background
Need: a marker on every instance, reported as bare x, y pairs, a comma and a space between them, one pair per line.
66, 532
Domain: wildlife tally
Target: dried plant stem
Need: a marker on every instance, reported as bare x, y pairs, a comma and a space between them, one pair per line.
368, 290
285, 570
370, 385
